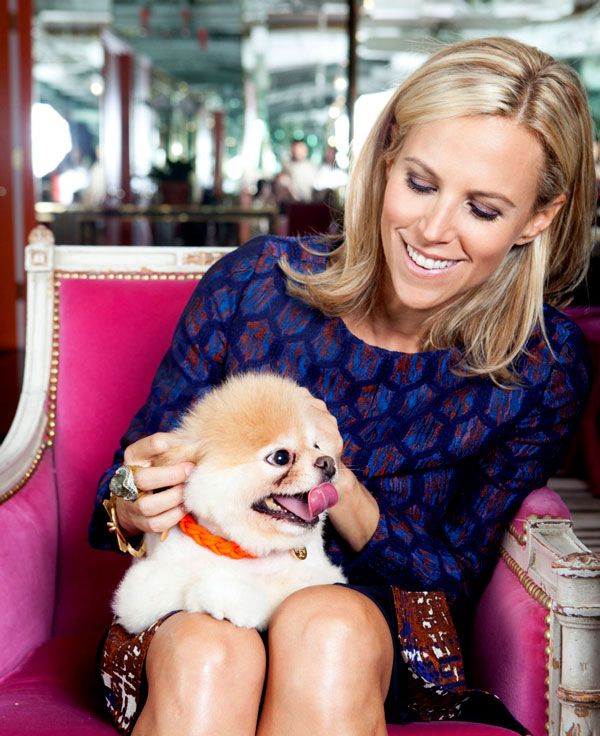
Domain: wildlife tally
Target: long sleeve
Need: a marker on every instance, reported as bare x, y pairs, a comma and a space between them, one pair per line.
407, 550
193, 363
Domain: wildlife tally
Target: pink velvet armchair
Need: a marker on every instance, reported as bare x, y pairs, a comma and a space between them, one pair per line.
535, 637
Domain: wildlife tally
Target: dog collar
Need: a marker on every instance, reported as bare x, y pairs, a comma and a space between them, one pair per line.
214, 543
190, 527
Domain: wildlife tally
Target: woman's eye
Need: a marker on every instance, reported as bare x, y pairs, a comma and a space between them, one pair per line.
483, 213
279, 457
418, 185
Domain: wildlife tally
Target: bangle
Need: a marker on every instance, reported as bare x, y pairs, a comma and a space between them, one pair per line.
110, 504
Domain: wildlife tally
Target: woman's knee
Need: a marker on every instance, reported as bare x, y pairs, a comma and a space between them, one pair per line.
336, 631
193, 650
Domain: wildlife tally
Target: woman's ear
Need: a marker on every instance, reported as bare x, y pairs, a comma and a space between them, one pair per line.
541, 220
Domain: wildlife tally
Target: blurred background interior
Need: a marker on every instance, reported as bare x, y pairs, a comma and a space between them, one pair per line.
204, 122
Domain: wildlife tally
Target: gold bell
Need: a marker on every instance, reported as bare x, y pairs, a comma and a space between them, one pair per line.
300, 553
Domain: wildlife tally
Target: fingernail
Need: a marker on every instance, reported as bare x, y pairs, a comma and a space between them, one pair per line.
188, 469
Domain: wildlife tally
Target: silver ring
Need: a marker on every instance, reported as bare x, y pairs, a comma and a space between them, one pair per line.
122, 483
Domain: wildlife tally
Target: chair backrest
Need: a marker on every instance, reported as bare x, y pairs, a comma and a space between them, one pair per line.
115, 310
111, 337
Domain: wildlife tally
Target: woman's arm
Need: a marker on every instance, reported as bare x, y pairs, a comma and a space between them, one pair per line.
356, 513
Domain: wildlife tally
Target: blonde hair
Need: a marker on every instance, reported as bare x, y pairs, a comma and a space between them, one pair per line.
492, 322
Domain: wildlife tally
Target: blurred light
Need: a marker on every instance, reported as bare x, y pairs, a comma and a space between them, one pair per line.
311, 140
50, 138
234, 168
176, 149
332, 141
340, 84
97, 87
334, 112
366, 111
71, 181
230, 141
342, 140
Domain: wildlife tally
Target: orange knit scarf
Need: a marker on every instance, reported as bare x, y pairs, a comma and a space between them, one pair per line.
218, 545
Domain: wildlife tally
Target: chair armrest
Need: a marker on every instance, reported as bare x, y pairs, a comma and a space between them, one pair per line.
541, 611
28, 503
30, 433
28, 558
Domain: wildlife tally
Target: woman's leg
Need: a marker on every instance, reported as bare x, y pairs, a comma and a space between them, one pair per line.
330, 662
204, 677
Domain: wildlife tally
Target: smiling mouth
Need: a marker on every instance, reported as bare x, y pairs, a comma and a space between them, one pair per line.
430, 264
293, 509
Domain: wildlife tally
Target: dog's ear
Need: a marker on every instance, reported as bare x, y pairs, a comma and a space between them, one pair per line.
180, 453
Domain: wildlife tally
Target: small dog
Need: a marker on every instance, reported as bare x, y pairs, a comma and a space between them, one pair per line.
256, 503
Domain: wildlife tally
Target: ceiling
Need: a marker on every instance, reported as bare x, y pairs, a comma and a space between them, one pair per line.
294, 50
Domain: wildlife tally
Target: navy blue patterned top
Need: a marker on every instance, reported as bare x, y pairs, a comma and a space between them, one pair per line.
448, 458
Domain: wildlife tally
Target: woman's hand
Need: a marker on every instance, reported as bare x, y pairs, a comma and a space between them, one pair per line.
153, 512
356, 514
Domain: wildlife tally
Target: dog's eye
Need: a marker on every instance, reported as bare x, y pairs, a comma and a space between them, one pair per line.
279, 457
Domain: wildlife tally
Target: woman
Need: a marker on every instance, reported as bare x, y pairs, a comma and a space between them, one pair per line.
453, 388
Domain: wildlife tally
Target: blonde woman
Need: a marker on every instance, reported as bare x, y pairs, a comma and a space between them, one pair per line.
440, 368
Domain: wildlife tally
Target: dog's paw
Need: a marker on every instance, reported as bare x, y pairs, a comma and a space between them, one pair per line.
223, 601
250, 619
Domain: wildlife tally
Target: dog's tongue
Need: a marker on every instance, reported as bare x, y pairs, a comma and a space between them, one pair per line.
319, 498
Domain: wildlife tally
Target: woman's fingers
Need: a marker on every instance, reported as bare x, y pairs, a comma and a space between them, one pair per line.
163, 522
163, 476
153, 504
145, 449
328, 435
152, 512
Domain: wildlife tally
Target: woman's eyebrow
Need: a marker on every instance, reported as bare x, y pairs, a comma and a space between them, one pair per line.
477, 193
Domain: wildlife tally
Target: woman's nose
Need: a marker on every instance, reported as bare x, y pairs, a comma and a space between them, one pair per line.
437, 223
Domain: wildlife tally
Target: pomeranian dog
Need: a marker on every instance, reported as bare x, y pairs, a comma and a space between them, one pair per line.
256, 504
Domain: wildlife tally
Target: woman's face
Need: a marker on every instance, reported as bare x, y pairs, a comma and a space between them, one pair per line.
459, 196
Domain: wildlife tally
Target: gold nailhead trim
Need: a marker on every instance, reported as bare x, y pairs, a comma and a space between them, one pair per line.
134, 276
541, 597
521, 538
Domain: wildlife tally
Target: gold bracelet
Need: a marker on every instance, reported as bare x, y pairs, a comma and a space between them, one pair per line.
110, 504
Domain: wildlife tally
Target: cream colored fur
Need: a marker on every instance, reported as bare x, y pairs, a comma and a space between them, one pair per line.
230, 433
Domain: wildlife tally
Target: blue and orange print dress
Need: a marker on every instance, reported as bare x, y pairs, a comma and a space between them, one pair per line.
449, 458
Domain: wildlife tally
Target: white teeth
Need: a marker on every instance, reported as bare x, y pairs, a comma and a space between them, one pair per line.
429, 263
272, 504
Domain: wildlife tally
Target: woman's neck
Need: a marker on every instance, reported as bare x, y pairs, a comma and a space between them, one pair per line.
386, 331
390, 325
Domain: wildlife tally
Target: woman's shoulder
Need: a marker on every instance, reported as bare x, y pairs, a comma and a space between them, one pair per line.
263, 253
565, 337
562, 351
302, 253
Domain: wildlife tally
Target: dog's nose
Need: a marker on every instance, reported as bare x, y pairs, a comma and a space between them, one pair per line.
327, 466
